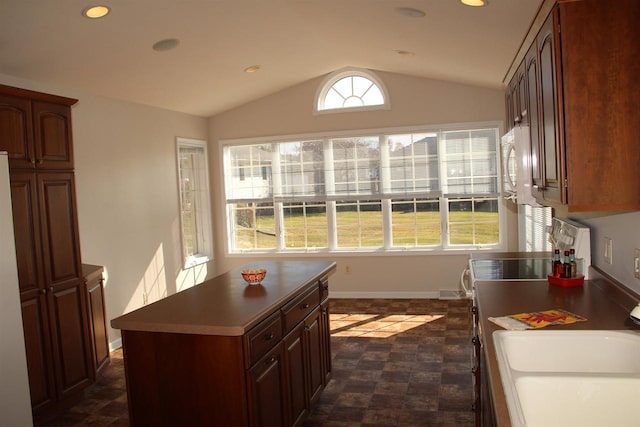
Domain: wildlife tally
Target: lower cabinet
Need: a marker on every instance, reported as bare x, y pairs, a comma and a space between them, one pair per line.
99, 339
268, 393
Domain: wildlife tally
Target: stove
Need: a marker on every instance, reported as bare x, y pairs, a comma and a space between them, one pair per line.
510, 269
563, 234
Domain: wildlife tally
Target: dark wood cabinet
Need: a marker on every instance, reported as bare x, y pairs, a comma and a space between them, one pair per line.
98, 338
35, 129
51, 291
581, 81
267, 387
550, 188
296, 369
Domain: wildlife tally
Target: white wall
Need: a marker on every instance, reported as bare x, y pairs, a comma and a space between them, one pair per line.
127, 195
414, 102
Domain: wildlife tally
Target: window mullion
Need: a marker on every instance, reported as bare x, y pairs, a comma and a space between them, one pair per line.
330, 189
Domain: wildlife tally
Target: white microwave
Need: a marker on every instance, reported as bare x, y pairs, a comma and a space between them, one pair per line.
516, 166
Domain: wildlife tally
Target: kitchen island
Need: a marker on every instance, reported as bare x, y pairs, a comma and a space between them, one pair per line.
605, 304
232, 354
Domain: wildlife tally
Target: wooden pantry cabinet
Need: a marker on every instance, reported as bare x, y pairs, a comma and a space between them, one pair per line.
582, 105
35, 129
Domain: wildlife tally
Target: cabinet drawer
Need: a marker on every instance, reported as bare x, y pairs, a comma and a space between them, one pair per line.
300, 307
323, 282
264, 336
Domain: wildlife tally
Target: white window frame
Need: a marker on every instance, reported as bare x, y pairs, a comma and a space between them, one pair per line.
338, 75
445, 247
203, 233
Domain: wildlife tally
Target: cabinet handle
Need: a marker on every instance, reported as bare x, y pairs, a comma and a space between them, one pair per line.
269, 361
40, 161
305, 306
33, 161
539, 188
474, 370
269, 336
474, 340
325, 287
474, 309
44, 291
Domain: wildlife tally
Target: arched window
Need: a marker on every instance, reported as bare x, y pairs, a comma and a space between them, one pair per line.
351, 89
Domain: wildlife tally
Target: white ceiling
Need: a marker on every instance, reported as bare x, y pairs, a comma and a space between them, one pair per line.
292, 40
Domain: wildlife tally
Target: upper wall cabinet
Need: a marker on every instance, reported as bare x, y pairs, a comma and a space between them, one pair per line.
36, 132
582, 103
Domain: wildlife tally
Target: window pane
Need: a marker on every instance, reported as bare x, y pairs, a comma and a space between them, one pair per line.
359, 224
474, 221
305, 225
301, 169
413, 163
415, 222
356, 163
244, 177
253, 226
195, 210
471, 162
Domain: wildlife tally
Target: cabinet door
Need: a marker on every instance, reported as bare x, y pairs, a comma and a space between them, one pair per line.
267, 382
33, 296
523, 105
98, 325
295, 365
63, 279
314, 344
551, 136
325, 332
52, 136
16, 132
532, 94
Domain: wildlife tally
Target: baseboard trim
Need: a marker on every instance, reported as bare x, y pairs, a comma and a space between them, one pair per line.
115, 344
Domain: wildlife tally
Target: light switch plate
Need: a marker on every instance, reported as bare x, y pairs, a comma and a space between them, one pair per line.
636, 264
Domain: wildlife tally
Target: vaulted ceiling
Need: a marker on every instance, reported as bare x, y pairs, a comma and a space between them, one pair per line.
292, 41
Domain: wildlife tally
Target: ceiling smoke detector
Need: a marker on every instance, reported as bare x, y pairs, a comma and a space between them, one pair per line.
410, 12
166, 44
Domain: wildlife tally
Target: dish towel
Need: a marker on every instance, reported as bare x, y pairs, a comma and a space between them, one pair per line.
537, 319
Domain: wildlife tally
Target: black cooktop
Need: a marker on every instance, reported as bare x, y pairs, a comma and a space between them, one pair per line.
511, 269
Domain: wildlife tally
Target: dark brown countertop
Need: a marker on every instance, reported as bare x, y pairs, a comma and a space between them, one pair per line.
226, 305
604, 305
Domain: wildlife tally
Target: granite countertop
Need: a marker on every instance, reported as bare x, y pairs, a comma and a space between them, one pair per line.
605, 305
226, 305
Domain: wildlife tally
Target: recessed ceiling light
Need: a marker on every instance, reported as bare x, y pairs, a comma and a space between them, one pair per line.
475, 3
95, 12
410, 12
166, 44
405, 52
252, 69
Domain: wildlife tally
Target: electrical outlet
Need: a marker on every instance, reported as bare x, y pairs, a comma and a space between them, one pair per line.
347, 269
636, 264
608, 250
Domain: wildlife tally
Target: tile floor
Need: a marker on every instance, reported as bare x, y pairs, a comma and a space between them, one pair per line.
396, 362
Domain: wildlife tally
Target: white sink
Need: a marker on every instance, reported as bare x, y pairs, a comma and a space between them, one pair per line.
566, 378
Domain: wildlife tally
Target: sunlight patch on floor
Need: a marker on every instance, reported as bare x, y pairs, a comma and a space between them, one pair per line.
375, 325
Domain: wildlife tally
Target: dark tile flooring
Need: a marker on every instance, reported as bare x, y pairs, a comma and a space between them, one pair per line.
396, 362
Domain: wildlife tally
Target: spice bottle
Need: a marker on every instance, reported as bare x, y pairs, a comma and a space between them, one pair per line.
557, 264
574, 264
566, 266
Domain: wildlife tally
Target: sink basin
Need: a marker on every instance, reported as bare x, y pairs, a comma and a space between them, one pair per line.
586, 378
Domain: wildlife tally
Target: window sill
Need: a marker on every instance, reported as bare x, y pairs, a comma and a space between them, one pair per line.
196, 260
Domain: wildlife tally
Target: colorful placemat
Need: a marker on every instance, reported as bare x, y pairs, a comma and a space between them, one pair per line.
537, 319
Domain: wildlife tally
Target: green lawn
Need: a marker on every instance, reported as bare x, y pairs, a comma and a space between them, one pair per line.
365, 230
